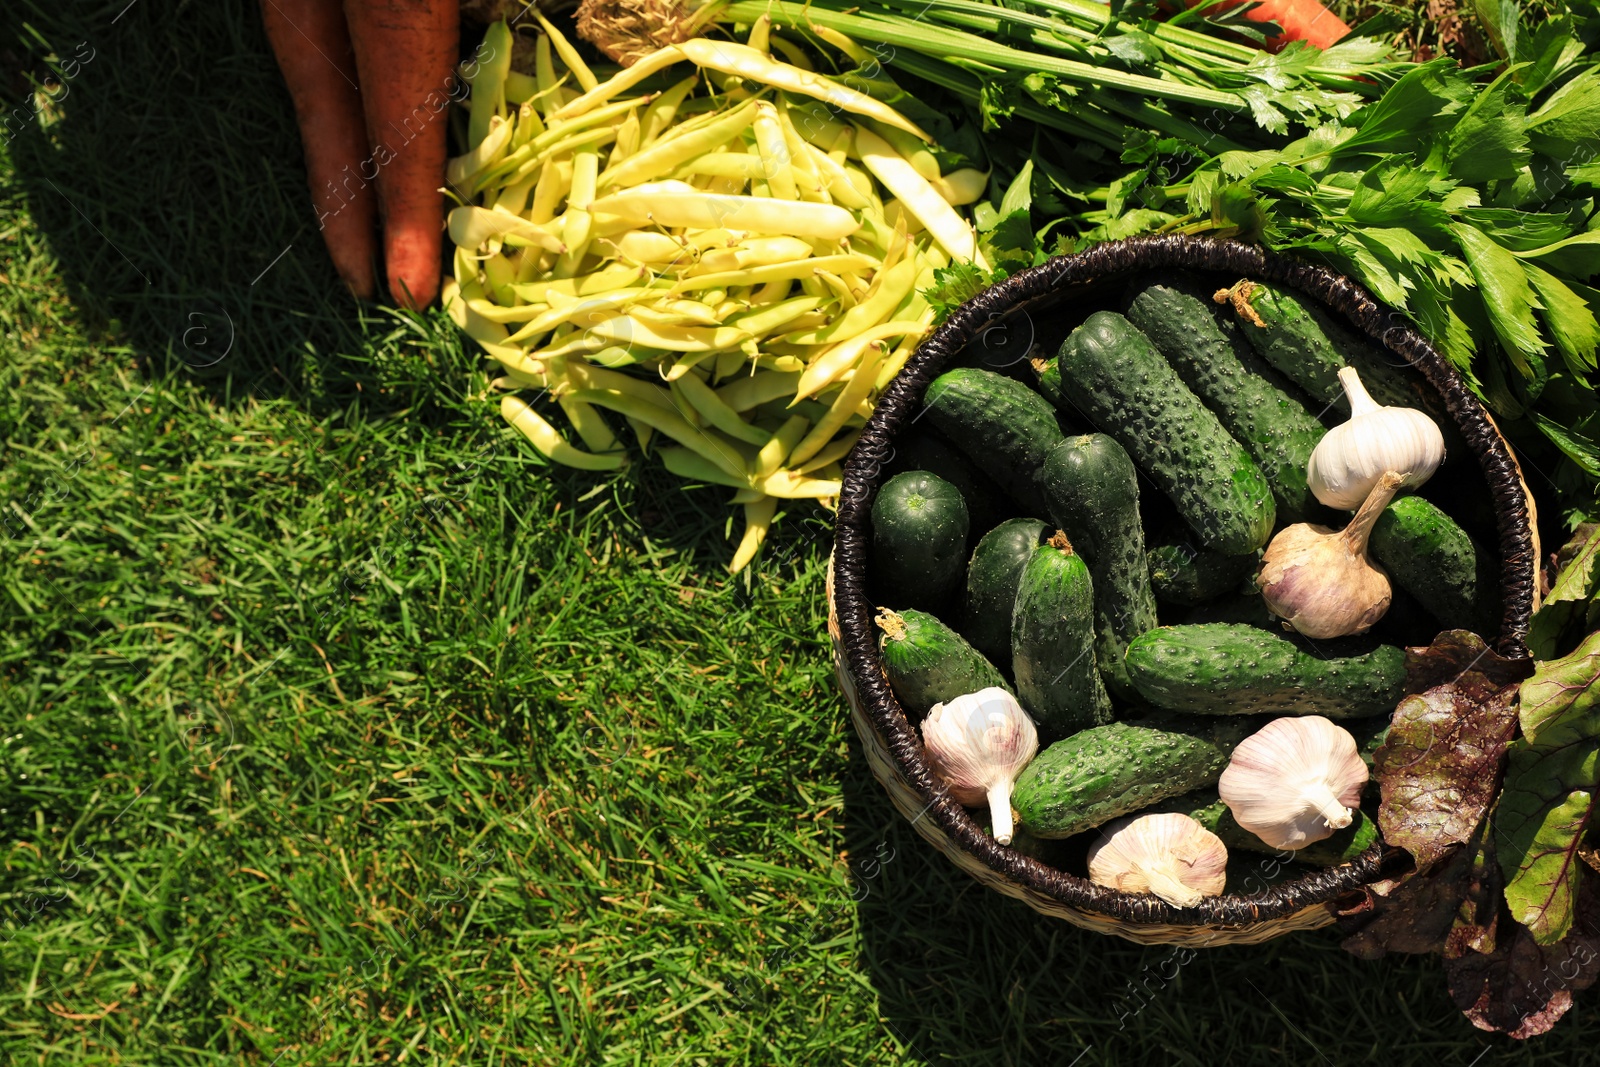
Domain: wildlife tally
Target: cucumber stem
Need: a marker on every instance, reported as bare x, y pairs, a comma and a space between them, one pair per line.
1000, 811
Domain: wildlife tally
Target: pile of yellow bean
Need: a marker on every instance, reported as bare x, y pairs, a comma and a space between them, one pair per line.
733, 261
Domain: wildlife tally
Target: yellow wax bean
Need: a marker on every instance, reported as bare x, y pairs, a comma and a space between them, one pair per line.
625, 329
583, 312
569, 55
844, 44
739, 165
771, 293
910, 149
474, 227
770, 458
837, 449
892, 285
757, 519
627, 142
676, 313
548, 440
788, 484
706, 443
642, 432
659, 115
754, 252
498, 274
798, 270
616, 276
774, 152
694, 467
760, 34
646, 246
796, 57
704, 399
584, 376
760, 321
545, 76
837, 181
810, 178
514, 198
575, 227
750, 213
460, 169
782, 364
728, 364
746, 496
846, 355
668, 153
918, 197
962, 186
496, 313
584, 140
555, 178
758, 389
743, 61
619, 83
682, 366
842, 292
591, 427
859, 388
520, 88
815, 124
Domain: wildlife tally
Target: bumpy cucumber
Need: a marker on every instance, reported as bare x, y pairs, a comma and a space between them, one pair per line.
1092, 492
920, 450
1114, 374
1187, 576
1096, 775
1004, 427
1435, 560
919, 540
1208, 810
1248, 397
1052, 642
929, 663
992, 579
1235, 669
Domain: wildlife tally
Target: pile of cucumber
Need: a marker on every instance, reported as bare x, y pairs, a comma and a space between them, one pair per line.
1084, 532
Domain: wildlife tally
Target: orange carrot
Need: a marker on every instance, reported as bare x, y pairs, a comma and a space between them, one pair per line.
406, 52
313, 49
1302, 20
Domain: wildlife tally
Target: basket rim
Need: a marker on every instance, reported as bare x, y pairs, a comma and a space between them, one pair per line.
898, 406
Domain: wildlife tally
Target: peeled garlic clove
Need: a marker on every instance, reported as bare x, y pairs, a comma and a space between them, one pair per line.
1352, 456
979, 743
1169, 854
1320, 581
1294, 781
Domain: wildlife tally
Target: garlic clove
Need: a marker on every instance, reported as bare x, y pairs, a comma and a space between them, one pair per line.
1320, 581
1294, 781
978, 744
1168, 854
1352, 456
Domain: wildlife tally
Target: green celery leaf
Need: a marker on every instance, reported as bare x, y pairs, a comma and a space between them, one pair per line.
1575, 446
1565, 126
1550, 54
1013, 234
1123, 188
1138, 221
1490, 141
1507, 297
1236, 165
1444, 327
956, 284
1569, 319
1019, 194
1577, 256
1202, 190
1521, 231
1371, 271
1585, 174
1393, 193
1575, 590
1413, 107
1134, 48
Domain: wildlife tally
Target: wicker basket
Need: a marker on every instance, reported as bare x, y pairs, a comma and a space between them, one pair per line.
893, 749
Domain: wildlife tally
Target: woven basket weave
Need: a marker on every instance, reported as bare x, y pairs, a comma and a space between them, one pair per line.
892, 746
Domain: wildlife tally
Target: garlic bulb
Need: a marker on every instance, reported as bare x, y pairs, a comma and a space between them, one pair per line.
1351, 457
1320, 581
1170, 855
979, 743
1294, 781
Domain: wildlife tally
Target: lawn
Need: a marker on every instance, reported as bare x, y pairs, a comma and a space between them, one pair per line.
338, 729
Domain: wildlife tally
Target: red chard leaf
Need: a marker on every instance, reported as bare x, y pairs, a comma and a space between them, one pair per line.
1439, 767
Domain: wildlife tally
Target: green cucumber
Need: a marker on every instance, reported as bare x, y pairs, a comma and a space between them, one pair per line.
919, 540
920, 450
1048, 372
1004, 427
1052, 642
1207, 809
1098, 774
992, 579
1307, 346
1434, 560
1237, 669
1092, 492
1186, 576
1248, 397
928, 663
1115, 375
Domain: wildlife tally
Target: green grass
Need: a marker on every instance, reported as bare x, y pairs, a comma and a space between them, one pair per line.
349, 732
